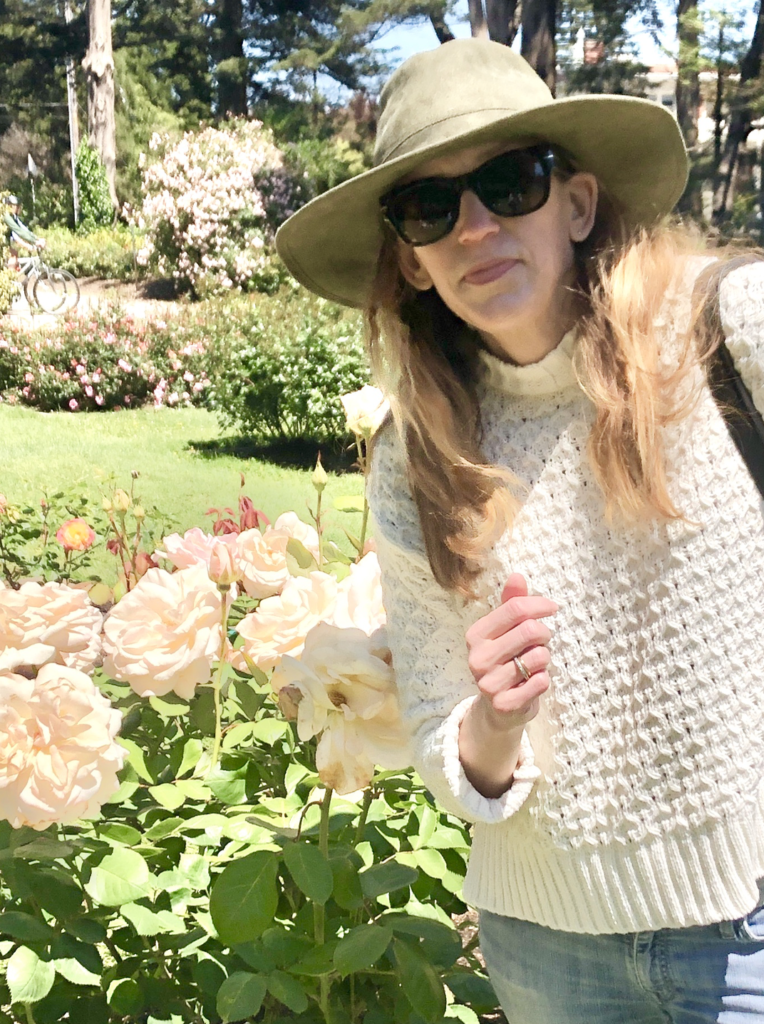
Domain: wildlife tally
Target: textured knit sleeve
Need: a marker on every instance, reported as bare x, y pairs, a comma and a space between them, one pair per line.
741, 301
426, 631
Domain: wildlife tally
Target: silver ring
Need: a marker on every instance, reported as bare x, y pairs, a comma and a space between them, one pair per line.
522, 668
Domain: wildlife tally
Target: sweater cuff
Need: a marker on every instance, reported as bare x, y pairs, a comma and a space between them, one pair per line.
479, 807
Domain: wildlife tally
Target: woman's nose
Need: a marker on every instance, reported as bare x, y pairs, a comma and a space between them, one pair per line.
475, 220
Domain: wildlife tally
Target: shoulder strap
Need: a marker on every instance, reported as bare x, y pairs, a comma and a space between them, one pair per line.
744, 421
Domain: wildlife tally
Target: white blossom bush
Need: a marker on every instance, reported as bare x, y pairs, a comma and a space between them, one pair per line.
211, 203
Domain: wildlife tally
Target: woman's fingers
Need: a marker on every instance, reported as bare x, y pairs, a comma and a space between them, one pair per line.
508, 615
486, 655
509, 676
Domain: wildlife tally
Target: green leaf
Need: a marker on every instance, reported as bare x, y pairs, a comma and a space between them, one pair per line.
310, 870
469, 987
192, 751
168, 796
74, 972
240, 996
28, 977
229, 787
24, 927
297, 551
248, 697
420, 982
208, 975
193, 789
136, 758
431, 862
269, 730
347, 890
61, 898
86, 930
126, 998
195, 869
66, 947
168, 708
119, 833
150, 922
382, 878
442, 943
462, 1013
361, 947
288, 991
121, 877
44, 849
244, 897
349, 503
320, 960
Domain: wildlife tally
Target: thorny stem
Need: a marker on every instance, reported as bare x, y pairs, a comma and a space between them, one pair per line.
319, 531
319, 915
219, 675
368, 796
364, 525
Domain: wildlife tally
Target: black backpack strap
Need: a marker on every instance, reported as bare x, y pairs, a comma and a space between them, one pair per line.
744, 421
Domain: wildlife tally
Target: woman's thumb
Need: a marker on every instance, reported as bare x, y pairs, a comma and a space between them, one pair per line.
516, 586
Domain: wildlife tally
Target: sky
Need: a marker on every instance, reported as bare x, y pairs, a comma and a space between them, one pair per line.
407, 40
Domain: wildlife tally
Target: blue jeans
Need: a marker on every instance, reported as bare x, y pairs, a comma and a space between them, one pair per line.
672, 976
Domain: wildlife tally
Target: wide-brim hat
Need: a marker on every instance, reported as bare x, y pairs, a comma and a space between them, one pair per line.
467, 92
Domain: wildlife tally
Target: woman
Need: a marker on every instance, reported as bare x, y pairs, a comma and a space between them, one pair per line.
572, 548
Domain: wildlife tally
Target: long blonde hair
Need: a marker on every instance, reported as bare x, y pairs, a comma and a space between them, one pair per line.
427, 359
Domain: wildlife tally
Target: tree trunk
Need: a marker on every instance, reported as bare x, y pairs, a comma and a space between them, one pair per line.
232, 64
502, 19
442, 31
539, 19
688, 78
719, 100
99, 71
478, 24
739, 121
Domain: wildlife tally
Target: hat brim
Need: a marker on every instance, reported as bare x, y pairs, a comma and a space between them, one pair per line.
633, 147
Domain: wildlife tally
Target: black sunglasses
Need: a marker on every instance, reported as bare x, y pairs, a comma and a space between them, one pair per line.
510, 185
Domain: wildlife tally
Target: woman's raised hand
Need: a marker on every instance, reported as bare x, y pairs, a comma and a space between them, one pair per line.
514, 630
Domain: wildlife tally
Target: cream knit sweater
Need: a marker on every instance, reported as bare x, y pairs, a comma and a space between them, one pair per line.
638, 801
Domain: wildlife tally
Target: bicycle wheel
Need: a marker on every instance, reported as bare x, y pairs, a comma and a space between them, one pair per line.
50, 291
72, 290
27, 286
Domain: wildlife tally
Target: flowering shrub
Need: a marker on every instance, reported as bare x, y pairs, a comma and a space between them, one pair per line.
106, 362
252, 863
103, 252
211, 202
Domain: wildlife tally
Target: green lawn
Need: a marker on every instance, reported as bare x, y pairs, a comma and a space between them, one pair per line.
61, 451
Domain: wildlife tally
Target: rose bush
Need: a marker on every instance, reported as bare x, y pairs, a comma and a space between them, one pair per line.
227, 879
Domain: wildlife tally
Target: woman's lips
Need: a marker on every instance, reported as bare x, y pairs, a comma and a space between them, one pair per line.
488, 272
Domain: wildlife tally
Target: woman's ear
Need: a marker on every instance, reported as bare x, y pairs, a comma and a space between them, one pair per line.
411, 268
582, 192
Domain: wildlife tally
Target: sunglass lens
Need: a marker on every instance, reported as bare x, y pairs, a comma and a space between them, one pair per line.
513, 184
425, 212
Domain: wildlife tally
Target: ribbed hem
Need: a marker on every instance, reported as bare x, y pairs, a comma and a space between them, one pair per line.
676, 882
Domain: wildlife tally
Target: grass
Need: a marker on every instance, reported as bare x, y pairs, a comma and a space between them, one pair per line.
90, 453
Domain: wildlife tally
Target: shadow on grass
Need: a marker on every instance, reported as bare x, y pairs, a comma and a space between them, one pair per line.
289, 453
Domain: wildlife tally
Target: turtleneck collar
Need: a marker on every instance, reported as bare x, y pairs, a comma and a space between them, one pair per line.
552, 373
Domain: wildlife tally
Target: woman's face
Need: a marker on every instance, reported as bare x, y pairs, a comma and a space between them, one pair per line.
508, 277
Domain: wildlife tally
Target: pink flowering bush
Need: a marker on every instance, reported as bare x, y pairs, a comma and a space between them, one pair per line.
211, 202
107, 361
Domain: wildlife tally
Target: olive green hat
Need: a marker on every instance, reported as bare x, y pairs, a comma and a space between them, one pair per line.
466, 92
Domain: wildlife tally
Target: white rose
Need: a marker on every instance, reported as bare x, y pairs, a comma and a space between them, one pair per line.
365, 410
58, 754
49, 622
263, 556
193, 547
280, 624
348, 694
359, 597
166, 633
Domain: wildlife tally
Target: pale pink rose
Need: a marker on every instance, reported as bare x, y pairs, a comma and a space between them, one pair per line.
58, 754
359, 597
281, 623
347, 696
166, 633
50, 622
263, 556
364, 410
223, 568
193, 548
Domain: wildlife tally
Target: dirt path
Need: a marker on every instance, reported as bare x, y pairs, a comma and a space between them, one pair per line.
142, 300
